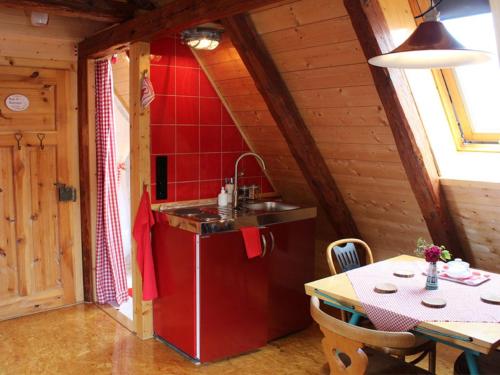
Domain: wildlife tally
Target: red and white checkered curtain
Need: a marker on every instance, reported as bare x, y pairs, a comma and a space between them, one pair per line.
111, 275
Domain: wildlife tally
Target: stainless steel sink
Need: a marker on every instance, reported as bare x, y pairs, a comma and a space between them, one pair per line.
270, 206
211, 218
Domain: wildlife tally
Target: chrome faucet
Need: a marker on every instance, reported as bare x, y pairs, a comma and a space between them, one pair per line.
235, 191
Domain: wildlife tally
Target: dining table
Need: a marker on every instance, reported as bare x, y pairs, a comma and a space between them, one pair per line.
472, 337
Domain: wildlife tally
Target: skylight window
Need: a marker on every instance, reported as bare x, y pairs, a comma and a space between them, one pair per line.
474, 90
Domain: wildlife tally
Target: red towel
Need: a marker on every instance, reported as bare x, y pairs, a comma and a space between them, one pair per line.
144, 220
251, 236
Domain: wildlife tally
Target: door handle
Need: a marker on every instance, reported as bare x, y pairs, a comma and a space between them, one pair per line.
264, 243
273, 242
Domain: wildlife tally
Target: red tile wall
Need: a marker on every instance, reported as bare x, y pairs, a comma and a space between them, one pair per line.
191, 126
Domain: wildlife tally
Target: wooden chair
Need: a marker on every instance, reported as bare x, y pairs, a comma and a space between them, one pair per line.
347, 352
348, 258
346, 254
487, 364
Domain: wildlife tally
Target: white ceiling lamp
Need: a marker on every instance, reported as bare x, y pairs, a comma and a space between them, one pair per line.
39, 19
430, 46
202, 38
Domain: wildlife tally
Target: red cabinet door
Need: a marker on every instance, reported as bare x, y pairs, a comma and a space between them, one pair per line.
233, 297
291, 265
174, 311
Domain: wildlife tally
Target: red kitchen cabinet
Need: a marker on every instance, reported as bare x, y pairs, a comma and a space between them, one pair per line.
233, 297
291, 265
174, 311
214, 302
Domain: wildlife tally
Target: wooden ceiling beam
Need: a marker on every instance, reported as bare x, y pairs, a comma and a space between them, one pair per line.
106, 11
172, 17
406, 125
282, 106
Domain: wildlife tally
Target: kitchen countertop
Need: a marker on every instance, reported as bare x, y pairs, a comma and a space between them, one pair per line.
203, 219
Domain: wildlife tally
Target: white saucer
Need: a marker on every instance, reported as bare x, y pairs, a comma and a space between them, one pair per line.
462, 275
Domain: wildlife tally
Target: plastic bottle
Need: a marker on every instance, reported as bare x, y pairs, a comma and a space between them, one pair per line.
222, 198
229, 189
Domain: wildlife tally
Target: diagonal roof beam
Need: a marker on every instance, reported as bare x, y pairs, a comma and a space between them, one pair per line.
106, 11
406, 125
290, 122
172, 17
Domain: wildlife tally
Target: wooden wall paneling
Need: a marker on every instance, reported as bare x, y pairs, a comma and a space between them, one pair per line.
323, 56
8, 253
281, 105
311, 35
414, 150
296, 13
140, 175
475, 207
51, 45
338, 76
16, 23
109, 11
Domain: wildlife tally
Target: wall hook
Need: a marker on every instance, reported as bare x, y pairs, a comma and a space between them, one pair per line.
18, 137
41, 137
3, 116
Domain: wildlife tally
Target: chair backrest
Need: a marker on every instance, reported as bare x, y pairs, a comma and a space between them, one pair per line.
342, 337
347, 255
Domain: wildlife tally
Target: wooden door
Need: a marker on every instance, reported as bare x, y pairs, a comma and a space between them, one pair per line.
39, 235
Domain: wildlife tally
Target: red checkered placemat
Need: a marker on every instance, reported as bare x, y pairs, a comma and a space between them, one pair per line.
403, 310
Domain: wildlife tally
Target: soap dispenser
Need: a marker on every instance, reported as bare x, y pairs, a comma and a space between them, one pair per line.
222, 198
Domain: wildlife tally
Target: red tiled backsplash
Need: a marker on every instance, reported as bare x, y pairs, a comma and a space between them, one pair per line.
190, 125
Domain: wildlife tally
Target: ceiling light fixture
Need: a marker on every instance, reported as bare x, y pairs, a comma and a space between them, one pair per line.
201, 38
39, 19
430, 46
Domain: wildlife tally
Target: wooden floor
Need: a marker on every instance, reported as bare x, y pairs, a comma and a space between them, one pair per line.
85, 340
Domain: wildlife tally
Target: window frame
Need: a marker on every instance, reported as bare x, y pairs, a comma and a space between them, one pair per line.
454, 106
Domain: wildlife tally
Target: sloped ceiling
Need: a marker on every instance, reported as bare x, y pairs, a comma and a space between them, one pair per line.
315, 48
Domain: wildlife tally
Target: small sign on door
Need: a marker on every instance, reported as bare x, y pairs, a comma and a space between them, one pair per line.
17, 102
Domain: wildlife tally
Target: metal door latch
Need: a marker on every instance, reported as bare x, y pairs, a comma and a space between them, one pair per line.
66, 193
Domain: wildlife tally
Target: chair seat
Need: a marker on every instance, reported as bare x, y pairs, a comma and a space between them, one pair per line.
382, 364
421, 344
488, 364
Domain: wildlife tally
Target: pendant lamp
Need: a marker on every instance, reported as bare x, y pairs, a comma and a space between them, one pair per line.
430, 46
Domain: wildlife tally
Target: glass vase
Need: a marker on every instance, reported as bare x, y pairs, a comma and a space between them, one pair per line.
432, 277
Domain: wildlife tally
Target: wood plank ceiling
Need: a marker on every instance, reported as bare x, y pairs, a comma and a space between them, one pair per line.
315, 48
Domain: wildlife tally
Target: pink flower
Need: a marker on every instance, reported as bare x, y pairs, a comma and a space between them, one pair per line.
432, 254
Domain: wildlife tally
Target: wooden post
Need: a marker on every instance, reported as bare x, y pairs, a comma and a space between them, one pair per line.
412, 143
140, 174
280, 102
86, 128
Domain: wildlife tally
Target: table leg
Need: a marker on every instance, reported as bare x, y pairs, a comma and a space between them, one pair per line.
355, 319
470, 357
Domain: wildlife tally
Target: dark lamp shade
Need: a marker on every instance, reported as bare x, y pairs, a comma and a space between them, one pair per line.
430, 46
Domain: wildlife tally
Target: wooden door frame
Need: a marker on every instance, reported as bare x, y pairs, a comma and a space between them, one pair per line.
139, 175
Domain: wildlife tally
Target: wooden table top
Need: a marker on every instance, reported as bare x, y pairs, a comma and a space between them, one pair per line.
483, 337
